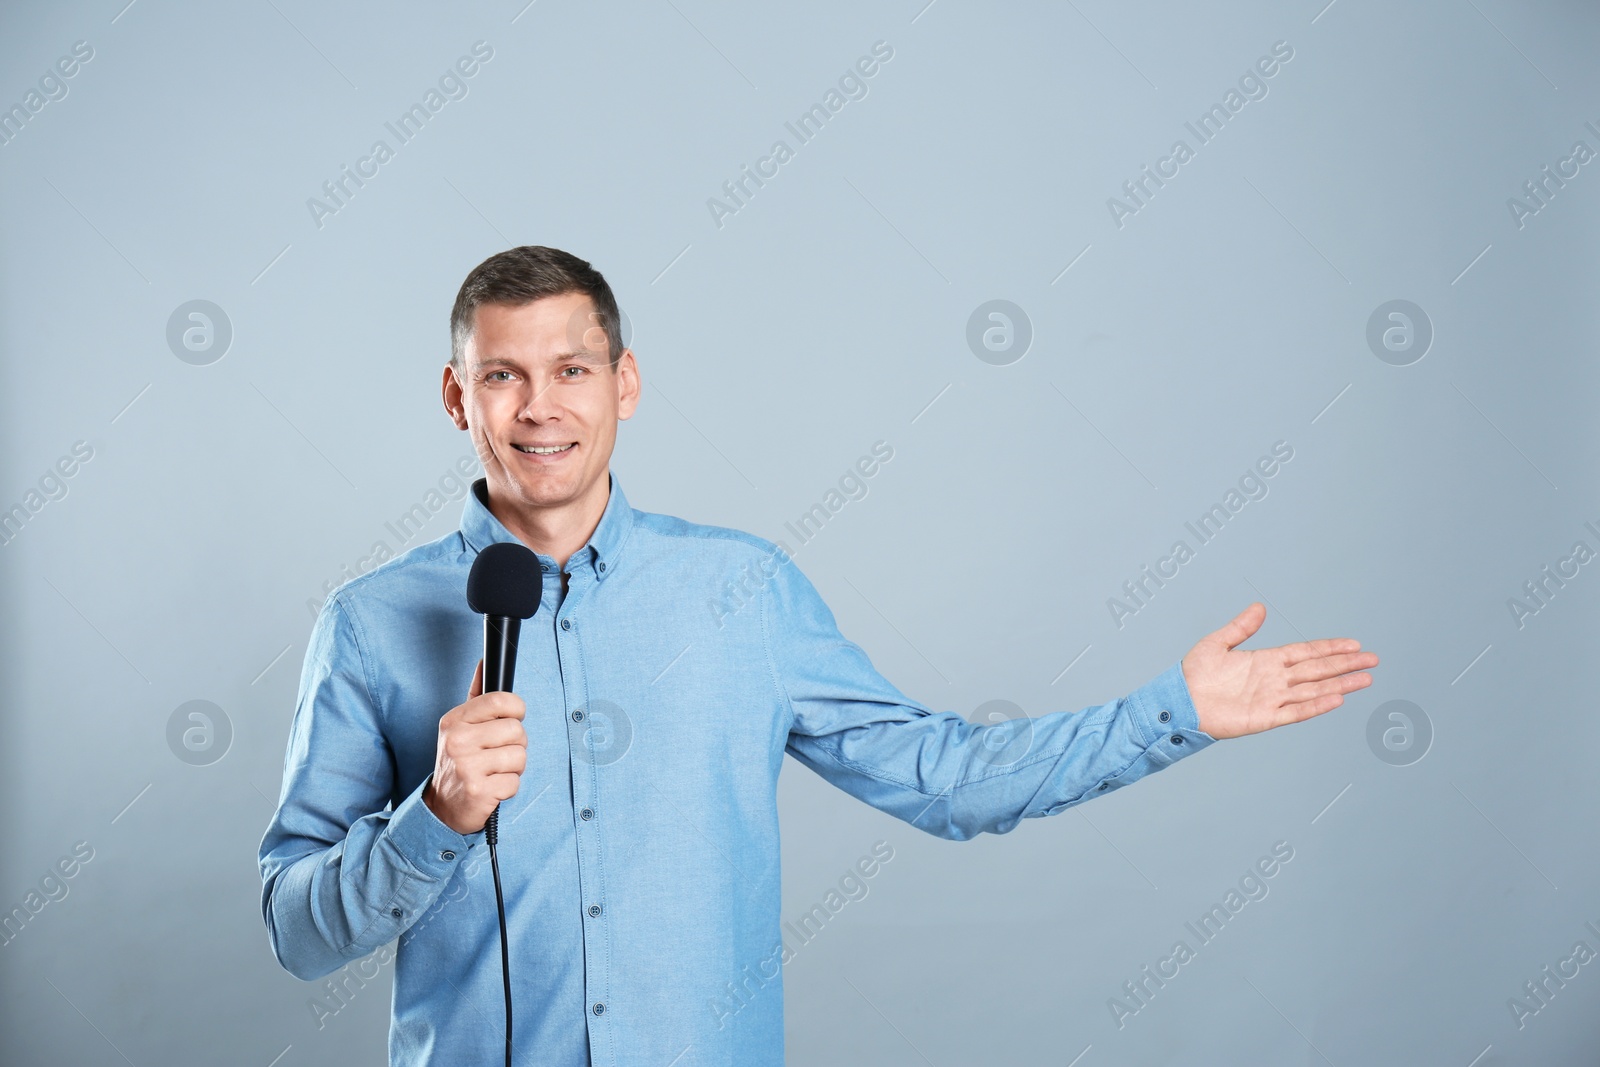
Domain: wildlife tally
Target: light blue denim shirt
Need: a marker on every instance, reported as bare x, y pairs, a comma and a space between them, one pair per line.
640, 854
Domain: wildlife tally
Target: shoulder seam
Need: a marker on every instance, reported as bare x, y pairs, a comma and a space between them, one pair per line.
409, 558
676, 527
356, 630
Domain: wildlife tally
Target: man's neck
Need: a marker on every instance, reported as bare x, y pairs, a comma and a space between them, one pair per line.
555, 532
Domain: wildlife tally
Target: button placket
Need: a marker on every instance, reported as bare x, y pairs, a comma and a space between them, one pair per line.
585, 798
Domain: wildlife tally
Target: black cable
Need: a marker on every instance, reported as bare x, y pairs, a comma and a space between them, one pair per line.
491, 833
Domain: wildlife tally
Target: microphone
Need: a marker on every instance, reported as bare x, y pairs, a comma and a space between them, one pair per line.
504, 586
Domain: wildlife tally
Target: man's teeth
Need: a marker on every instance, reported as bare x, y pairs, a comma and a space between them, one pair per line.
542, 450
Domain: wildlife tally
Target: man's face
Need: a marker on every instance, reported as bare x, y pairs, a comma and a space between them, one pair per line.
538, 374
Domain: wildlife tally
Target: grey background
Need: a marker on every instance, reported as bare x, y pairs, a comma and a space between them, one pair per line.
830, 312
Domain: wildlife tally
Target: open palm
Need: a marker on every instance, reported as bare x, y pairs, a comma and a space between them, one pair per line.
1245, 691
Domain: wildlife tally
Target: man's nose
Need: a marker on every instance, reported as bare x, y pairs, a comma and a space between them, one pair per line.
542, 402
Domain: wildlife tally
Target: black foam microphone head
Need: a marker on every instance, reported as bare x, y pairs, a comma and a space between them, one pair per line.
505, 581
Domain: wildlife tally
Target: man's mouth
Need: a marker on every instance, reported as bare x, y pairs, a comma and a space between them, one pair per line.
544, 450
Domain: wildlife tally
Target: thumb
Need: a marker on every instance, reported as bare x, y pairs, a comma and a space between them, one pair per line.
476, 689
1243, 626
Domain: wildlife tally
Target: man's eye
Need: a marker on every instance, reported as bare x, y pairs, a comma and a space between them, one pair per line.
491, 375
578, 369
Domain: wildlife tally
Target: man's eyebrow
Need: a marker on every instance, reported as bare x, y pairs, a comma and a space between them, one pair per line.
582, 356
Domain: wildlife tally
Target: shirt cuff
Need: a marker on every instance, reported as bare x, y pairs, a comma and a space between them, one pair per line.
1165, 716
426, 842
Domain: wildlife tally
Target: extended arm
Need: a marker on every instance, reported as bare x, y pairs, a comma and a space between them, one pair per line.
937, 771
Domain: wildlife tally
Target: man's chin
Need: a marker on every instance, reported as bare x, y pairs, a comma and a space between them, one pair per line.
547, 490
544, 490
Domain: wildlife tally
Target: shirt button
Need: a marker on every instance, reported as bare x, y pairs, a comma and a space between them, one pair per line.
566, 624
447, 855
1102, 787
602, 566
586, 813
599, 1008
1164, 716
396, 912
577, 716
1177, 739
544, 566
594, 911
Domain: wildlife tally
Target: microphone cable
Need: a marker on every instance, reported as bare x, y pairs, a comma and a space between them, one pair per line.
491, 834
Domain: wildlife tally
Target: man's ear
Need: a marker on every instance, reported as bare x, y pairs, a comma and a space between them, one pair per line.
454, 402
628, 388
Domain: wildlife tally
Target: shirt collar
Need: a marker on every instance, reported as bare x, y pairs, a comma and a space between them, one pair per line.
480, 528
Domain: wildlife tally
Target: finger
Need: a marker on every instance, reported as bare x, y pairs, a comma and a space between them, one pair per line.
474, 755
503, 786
1313, 670
512, 759
1348, 683
1306, 709
1331, 646
488, 706
476, 688
1242, 626
497, 733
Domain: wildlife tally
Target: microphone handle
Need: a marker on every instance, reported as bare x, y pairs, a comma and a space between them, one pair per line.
500, 634
500, 652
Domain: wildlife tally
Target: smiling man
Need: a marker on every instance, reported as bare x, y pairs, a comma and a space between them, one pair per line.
541, 394
637, 761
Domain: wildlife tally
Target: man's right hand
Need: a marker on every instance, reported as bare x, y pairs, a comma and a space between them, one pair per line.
482, 752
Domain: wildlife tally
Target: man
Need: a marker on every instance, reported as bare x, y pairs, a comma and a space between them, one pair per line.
637, 762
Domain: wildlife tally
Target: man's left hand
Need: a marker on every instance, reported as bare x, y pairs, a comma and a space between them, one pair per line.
1238, 691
